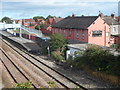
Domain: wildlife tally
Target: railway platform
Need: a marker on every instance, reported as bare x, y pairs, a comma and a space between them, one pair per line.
29, 45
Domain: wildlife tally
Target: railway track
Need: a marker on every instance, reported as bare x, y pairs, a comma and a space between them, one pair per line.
16, 74
56, 75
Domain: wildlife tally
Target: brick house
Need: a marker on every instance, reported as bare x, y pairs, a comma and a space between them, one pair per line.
27, 22
118, 19
40, 21
84, 29
51, 21
47, 29
114, 24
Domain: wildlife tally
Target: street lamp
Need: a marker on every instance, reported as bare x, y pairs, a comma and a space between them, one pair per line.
48, 48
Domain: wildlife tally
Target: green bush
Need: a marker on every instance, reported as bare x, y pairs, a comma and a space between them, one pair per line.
24, 85
57, 42
52, 84
44, 51
69, 61
114, 66
57, 56
98, 60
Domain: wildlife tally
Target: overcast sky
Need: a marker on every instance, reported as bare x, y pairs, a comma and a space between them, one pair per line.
18, 9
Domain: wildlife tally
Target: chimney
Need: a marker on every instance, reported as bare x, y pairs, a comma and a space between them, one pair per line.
101, 15
73, 15
113, 16
54, 17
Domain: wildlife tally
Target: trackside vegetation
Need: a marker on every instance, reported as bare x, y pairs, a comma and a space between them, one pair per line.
24, 85
58, 46
97, 60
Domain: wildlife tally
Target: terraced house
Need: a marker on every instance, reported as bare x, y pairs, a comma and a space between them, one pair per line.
114, 24
84, 29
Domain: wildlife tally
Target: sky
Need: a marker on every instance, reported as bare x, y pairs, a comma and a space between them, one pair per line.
19, 9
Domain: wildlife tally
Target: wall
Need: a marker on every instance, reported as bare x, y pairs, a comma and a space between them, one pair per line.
104, 40
46, 32
81, 38
117, 29
72, 37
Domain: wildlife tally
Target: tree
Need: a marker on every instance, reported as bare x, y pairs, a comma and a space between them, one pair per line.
58, 42
38, 17
43, 26
49, 16
37, 27
6, 19
31, 24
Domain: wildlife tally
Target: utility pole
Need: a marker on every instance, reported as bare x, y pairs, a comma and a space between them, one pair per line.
20, 34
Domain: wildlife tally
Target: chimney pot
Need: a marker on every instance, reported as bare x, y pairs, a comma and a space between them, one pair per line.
101, 15
113, 16
73, 15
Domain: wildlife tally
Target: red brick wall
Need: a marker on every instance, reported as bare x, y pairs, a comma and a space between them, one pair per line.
72, 35
46, 31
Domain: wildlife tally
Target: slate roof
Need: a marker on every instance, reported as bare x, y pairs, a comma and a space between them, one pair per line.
118, 18
110, 21
82, 22
57, 19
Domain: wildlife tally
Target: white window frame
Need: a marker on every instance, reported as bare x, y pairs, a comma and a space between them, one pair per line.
114, 29
107, 34
70, 32
64, 32
77, 33
83, 34
97, 32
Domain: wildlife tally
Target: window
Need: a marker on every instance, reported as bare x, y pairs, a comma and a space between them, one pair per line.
54, 30
107, 33
114, 29
83, 34
97, 33
64, 32
70, 32
77, 33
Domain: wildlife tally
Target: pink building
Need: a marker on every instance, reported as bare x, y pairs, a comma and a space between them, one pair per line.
84, 29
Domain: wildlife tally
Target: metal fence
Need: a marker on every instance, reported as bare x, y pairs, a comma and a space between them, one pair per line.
32, 31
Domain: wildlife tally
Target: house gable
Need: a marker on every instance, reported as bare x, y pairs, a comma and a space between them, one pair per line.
99, 33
